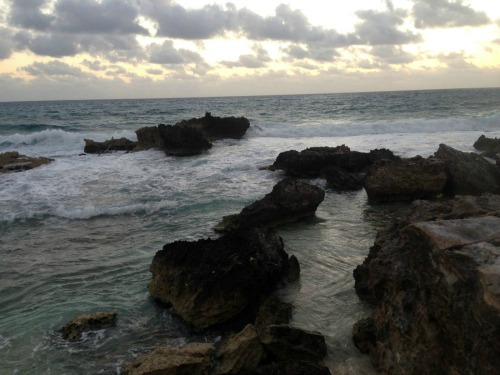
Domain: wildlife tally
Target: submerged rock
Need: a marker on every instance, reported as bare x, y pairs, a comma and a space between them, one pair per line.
210, 282
192, 359
289, 201
13, 161
88, 322
436, 289
406, 179
121, 144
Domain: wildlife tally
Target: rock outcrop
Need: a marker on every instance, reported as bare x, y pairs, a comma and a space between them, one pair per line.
406, 180
12, 161
192, 359
289, 201
434, 278
121, 144
215, 128
88, 322
468, 172
209, 282
489, 146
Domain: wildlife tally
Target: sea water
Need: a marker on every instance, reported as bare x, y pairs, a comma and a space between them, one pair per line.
78, 235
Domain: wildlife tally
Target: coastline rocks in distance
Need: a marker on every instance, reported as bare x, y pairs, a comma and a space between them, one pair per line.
215, 128
173, 140
435, 280
88, 322
468, 172
13, 161
193, 359
489, 146
290, 200
405, 180
121, 144
210, 282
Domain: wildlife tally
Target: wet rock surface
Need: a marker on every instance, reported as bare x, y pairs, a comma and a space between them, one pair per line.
215, 128
434, 279
121, 144
289, 201
490, 146
13, 161
88, 322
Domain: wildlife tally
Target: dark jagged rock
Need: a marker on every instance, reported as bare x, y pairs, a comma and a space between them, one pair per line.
88, 322
289, 201
436, 290
406, 180
312, 161
338, 179
468, 173
12, 161
215, 128
491, 146
173, 140
192, 359
210, 282
122, 144
290, 367
272, 312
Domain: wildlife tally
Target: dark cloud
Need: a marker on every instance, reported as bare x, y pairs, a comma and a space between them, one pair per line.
445, 13
312, 52
28, 15
167, 54
379, 28
391, 55
155, 72
6, 43
54, 68
251, 61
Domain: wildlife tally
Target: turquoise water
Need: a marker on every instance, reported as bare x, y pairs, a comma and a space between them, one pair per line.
78, 235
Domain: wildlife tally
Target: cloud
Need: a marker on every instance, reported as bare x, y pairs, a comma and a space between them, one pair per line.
95, 65
318, 53
155, 72
251, 61
378, 28
27, 15
456, 61
6, 44
391, 55
167, 54
446, 13
54, 68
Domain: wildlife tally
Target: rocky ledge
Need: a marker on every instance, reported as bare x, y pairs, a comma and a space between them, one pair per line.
434, 278
290, 200
14, 162
88, 322
185, 138
490, 147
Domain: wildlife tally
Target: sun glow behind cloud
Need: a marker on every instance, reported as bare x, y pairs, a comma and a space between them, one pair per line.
211, 48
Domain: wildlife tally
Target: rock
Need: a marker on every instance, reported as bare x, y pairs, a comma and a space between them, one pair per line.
192, 359
122, 144
215, 128
88, 322
241, 351
289, 201
406, 180
272, 312
285, 342
436, 289
338, 179
313, 161
468, 173
290, 367
489, 145
210, 282
173, 140
14, 162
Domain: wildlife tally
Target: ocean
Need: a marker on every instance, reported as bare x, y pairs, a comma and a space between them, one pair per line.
78, 235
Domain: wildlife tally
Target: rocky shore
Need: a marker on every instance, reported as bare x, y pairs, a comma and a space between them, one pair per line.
432, 276
14, 162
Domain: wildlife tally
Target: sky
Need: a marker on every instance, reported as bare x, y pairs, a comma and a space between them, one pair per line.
105, 49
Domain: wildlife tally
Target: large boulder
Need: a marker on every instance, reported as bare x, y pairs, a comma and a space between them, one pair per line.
215, 128
121, 144
192, 359
490, 146
406, 180
313, 161
173, 140
13, 161
468, 172
210, 282
436, 289
88, 322
289, 201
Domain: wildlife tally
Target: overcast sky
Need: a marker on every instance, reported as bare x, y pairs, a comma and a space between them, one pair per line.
90, 49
